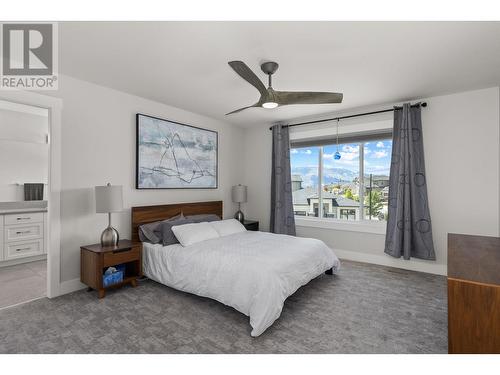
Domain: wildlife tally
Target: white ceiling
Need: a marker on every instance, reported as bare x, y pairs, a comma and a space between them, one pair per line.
184, 64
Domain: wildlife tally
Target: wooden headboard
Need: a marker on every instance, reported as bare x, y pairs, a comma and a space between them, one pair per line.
147, 214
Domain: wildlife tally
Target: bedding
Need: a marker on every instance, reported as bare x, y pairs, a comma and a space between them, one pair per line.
189, 234
227, 227
202, 218
147, 231
164, 231
253, 272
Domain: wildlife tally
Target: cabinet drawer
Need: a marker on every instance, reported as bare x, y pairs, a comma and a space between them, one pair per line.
26, 218
23, 249
23, 232
124, 256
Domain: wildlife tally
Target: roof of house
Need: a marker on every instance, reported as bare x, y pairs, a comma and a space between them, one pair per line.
296, 178
303, 195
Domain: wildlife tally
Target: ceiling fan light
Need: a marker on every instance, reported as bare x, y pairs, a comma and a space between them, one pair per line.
269, 105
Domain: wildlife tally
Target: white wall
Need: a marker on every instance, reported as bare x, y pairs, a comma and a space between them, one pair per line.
461, 145
24, 153
98, 146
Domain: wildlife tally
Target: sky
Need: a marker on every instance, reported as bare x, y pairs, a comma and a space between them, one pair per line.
377, 154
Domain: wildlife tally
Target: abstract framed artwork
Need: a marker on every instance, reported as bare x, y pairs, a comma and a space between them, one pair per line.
170, 155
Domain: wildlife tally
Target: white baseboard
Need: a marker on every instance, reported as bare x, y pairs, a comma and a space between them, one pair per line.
386, 260
70, 286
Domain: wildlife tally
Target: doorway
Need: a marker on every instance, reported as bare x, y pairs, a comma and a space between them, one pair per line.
24, 196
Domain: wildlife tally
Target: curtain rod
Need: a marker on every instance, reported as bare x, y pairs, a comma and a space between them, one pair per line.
424, 104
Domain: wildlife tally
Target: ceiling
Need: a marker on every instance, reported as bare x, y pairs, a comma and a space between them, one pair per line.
184, 64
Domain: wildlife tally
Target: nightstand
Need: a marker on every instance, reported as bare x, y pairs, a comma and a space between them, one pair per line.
95, 259
251, 225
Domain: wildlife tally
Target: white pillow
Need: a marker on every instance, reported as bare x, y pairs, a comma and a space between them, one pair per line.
188, 234
227, 227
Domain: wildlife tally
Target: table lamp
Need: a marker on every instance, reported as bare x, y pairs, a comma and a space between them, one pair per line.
239, 195
109, 199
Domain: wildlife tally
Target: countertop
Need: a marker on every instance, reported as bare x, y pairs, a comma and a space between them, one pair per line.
21, 210
22, 207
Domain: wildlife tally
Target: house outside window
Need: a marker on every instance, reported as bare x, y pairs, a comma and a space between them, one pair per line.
354, 188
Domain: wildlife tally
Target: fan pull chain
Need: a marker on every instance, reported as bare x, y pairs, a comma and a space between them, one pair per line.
337, 154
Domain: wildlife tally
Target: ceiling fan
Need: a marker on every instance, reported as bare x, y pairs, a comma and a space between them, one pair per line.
269, 98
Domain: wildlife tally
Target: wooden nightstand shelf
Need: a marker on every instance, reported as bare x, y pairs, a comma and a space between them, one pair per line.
251, 225
95, 259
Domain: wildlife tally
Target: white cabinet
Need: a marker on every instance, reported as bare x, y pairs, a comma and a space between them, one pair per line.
22, 235
22, 232
24, 218
23, 249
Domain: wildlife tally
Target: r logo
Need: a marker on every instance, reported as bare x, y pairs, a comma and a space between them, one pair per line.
27, 49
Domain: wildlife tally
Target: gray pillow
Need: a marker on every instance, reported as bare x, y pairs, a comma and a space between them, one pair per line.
168, 237
203, 217
147, 231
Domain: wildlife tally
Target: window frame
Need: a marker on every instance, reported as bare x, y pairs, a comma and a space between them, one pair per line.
360, 224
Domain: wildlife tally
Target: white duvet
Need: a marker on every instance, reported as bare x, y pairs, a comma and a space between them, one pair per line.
253, 272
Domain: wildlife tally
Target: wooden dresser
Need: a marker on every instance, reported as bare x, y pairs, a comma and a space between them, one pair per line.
473, 294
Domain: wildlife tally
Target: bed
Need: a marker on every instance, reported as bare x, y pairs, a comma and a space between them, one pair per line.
253, 272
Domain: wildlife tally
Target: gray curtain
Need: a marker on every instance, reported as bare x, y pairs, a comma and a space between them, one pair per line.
282, 218
409, 231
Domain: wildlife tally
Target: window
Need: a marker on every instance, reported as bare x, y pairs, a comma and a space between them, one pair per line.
340, 190
354, 187
305, 172
377, 165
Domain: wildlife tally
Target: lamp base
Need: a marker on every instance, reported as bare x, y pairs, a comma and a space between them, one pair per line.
110, 237
239, 216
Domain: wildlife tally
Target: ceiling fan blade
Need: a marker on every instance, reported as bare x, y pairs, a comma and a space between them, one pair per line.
241, 109
246, 73
305, 97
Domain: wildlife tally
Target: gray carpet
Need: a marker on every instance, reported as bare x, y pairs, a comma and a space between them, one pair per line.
364, 309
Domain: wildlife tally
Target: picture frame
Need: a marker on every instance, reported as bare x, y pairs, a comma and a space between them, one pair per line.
172, 155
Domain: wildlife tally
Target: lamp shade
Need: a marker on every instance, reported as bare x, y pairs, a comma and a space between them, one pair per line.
108, 198
239, 194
